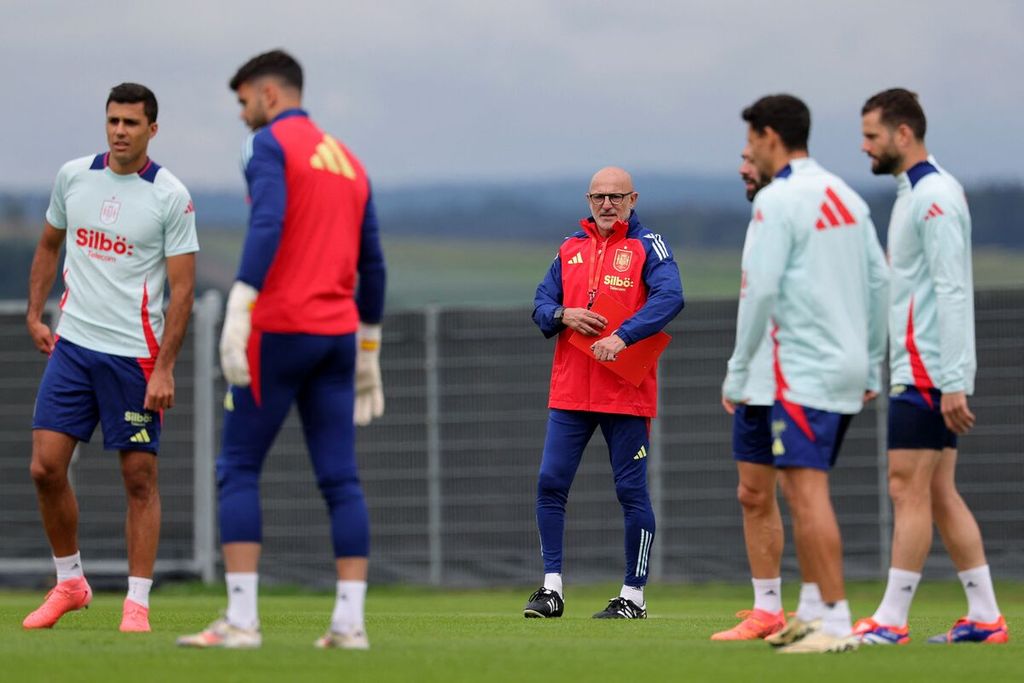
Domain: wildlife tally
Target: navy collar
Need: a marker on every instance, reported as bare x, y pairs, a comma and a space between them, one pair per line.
786, 171
147, 172
920, 170
288, 113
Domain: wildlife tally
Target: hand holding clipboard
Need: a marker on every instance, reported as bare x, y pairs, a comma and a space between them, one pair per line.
634, 362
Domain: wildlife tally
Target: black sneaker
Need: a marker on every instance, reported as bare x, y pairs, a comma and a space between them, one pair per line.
544, 604
621, 608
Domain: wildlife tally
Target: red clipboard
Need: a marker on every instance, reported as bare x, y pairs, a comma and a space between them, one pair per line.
636, 361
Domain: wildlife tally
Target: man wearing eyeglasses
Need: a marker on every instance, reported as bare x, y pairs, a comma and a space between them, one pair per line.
611, 254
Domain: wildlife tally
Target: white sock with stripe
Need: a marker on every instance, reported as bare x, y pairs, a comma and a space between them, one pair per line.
350, 596
981, 595
138, 590
768, 594
837, 621
810, 606
633, 593
69, 567
242, 593
899, 593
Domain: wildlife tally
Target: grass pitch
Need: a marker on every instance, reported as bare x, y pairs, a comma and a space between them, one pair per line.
425, 635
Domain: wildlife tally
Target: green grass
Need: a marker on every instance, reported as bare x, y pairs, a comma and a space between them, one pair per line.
424, 635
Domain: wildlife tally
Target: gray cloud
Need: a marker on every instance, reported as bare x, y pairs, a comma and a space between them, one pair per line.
459, 90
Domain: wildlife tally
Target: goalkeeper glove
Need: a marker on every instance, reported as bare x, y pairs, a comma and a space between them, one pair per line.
234, 336
369, 391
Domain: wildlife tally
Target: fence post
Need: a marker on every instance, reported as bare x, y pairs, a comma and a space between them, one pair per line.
207, 313
431, 317
884, 508
654, 472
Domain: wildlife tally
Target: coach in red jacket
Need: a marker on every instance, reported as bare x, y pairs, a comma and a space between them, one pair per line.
613, 254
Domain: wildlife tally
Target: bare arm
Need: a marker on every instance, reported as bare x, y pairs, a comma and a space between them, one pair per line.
181, 276
40, 282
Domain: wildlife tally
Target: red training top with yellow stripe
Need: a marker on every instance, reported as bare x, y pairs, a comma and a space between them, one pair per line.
312, 230
634, 266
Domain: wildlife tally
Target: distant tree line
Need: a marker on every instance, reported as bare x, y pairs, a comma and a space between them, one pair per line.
997, 219
997, 212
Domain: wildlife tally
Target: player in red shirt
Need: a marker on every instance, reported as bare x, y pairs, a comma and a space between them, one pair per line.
302, 326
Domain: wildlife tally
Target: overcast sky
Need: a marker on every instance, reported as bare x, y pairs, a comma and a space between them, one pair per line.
472, 89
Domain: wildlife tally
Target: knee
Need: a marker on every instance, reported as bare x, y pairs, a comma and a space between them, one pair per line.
631, 494
140, 483
236, 474
755, 500
339, 489
549, 484
903, 488
46, 475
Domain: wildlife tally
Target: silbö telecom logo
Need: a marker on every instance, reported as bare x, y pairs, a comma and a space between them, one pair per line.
101, 246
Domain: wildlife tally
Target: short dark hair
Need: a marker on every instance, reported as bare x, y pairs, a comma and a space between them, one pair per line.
274, 63
130, 93
898, 106
786, 115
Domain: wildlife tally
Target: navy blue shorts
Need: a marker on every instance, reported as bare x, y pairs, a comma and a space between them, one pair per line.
82, 388
752, 434
915, 420
806, 437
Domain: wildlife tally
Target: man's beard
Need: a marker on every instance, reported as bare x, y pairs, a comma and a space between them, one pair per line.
758, 186
885, 164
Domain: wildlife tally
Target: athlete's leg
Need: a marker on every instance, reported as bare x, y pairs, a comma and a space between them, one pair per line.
51, 456
816, 529
66, 412
325, 405
916, 433
252, 417
142, 523
567, 435
810, 605
762, 521
910, 478
956, 523
628, 439
962, 538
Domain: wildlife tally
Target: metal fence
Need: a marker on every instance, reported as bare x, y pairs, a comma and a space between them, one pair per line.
450, 471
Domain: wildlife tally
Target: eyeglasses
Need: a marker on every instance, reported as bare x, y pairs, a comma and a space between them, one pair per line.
616, 198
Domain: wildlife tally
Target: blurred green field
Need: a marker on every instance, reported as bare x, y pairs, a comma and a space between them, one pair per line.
506, 273
475, 635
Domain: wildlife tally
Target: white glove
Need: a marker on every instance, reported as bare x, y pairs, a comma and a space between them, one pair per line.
234, 336
369, 391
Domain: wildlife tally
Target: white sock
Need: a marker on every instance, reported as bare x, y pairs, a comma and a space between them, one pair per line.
768, 594
836, 620
981, 596
899, 593
810, 606
553, 582
69, 567
348, 607
633, 593
138, 590
242, 592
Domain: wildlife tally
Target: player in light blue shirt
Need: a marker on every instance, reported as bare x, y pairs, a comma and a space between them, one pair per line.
814, 270
932, 366
127, 226
752, 449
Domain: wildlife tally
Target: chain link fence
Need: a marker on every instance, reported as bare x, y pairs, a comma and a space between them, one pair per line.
450, 471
